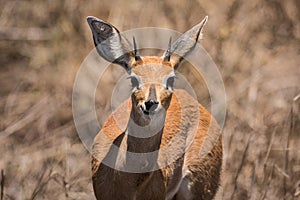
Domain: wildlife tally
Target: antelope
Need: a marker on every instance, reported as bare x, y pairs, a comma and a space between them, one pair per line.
160, 143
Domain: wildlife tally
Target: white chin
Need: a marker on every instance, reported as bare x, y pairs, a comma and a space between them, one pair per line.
150, 112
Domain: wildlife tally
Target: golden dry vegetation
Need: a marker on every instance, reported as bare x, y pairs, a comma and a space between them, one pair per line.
255, 44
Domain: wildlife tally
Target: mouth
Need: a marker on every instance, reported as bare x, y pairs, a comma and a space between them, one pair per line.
147, 112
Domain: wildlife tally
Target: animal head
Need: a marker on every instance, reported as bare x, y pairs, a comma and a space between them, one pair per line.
152, 78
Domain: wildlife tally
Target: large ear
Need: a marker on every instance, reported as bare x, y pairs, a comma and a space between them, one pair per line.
110, 44
184, 44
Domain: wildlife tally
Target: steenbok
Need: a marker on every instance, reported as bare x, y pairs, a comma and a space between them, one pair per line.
158, 151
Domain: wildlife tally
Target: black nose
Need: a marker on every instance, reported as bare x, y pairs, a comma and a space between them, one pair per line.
151, 105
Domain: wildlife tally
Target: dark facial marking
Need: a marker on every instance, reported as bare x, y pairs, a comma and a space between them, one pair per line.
152, 93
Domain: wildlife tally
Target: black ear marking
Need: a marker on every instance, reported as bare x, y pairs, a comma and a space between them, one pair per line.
184, 44
100, 29
110, 44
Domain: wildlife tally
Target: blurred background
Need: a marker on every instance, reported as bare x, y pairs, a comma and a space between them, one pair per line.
255, 44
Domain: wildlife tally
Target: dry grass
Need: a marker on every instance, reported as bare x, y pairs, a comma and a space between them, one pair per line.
256, 45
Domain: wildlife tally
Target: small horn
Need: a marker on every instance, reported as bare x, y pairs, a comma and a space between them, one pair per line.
136, 55
168, 52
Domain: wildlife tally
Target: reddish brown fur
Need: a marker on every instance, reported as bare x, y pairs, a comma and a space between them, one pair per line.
205, 172
184, 138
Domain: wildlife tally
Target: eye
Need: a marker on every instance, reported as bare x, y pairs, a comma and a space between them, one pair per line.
170, 82
135, 82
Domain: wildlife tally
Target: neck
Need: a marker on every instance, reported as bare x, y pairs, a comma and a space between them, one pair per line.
144, 132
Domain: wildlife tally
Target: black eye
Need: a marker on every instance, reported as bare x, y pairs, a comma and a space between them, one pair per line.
170, 82
134, 82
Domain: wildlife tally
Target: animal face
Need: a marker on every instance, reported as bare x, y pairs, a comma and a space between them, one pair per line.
152, 81
152, 78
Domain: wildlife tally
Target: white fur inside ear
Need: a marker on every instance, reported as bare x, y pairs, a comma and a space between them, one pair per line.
203, 22
200, 36
186, 42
